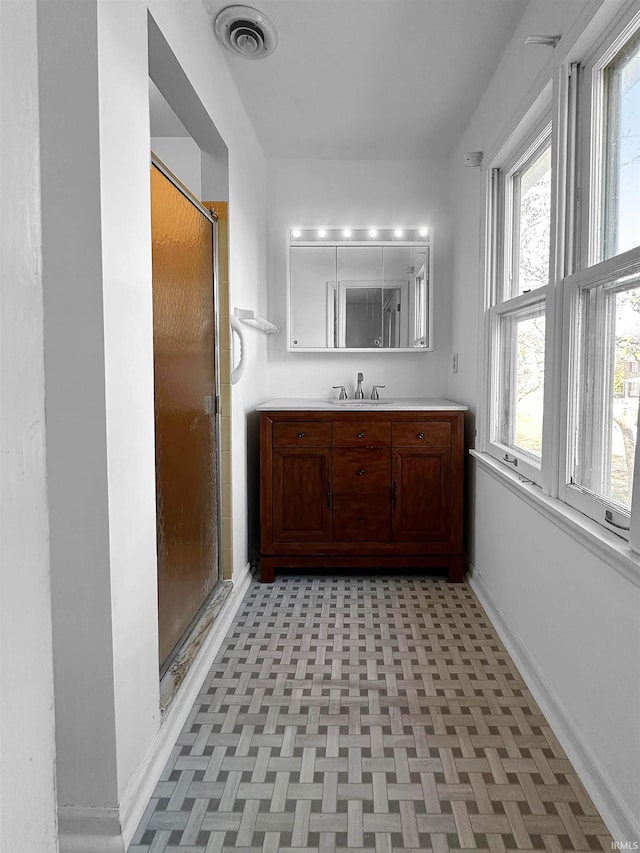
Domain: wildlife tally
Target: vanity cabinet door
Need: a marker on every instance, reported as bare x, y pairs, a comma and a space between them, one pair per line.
421, 494
301, 494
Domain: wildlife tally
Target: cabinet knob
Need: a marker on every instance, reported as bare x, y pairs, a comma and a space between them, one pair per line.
420, 435
361, 472
361, 435
301, 434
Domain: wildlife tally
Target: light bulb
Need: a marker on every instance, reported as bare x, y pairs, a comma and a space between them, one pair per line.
296, 233
397, 233
346, 233
373, 232
423, 232
322, 233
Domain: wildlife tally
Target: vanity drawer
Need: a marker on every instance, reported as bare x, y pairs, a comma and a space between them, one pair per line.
360, 433
301, 434
361, 518
422, 434
362, 470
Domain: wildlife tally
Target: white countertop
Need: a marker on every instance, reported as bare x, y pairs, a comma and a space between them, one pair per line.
392, 404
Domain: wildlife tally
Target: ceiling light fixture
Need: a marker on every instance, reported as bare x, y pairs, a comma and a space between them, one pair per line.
346, 233
373, 233
295, 233
322, 233
423, 232
246, 32
397, 233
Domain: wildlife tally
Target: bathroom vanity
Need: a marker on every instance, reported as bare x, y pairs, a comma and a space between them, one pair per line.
361, 484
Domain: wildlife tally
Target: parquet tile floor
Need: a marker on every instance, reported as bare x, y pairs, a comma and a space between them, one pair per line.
366, 714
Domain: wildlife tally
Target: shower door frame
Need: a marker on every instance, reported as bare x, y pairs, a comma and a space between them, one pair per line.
215, 401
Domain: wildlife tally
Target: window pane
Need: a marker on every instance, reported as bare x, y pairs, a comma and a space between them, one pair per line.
608, 390
521, 386
533, 224
622, 152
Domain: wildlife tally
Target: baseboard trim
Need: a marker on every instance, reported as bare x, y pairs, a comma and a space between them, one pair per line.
141, 787
85, 830
621, 824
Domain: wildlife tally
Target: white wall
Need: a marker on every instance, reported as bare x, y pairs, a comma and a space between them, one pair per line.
99, 373
574, 618
577, 621
358, 193
128, 366
76, 407
27, 750
184, 158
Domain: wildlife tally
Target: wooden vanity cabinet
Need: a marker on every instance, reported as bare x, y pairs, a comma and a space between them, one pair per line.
361, 490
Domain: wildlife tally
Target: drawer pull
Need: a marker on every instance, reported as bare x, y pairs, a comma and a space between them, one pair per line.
420, 435
361, 472
361, 435
301, 434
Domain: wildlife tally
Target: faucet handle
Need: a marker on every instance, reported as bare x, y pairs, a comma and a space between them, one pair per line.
374, 392
343, 392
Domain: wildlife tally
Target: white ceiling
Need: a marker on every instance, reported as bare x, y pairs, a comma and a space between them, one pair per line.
371, 79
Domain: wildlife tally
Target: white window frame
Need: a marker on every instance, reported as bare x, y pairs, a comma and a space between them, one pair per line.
525, 464
601, 510
526, 146
584, 267
575, 263
592, 108
509, 197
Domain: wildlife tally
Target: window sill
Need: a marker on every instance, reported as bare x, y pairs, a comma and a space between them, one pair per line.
608, 547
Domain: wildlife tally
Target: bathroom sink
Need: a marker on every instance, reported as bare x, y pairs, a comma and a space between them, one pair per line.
361, 404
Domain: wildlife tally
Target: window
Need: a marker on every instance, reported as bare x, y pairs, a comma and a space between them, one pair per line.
521, 380
602, 298
620, 81
564, 402
531, 191
522, 235
606, 407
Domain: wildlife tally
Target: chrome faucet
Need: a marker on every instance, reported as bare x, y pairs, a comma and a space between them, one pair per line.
343, 392
374, 392
359, 395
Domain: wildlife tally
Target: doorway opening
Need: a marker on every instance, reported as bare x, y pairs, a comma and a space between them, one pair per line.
191, 364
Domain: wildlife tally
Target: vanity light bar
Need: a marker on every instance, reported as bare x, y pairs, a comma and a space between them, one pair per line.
359, 235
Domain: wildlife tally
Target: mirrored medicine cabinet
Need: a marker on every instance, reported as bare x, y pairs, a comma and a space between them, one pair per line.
362, 290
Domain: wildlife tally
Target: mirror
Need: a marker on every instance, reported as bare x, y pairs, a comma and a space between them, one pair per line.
357, 295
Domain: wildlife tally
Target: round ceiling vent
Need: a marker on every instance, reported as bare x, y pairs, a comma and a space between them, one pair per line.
246, 32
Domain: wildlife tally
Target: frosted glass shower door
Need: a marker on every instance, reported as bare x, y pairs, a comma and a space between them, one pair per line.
185, 423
